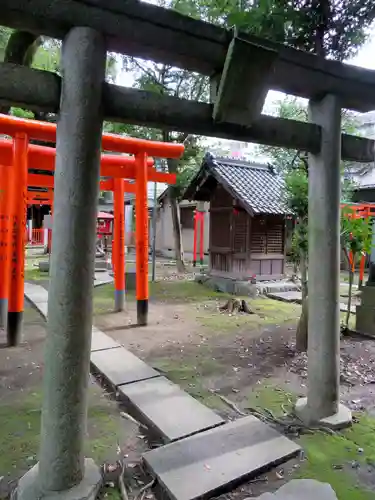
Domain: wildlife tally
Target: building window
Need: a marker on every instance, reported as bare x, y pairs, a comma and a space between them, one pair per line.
187, 217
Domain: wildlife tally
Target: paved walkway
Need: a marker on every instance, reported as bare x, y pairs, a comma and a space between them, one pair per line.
203, 453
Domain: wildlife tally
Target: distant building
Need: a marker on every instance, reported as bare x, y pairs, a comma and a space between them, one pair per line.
247, 217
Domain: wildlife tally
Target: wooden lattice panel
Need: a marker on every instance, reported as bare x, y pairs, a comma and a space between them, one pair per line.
220, 262
275, 238
258, 236
240, 235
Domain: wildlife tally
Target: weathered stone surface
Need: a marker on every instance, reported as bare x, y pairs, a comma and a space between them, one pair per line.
38, 297
44, 266
245, 288
368, 296
277, 286
87, 489
120, 366
365, 320
339, 420
130, 280
35, 293
289, 296
306, 489
167, 410
201, 465
100, 341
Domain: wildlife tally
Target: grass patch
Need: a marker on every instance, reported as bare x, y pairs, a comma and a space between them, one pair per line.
324, 452
103, 298
20, 431
189, 372
161, 291
267, 311
33, 274
182, 291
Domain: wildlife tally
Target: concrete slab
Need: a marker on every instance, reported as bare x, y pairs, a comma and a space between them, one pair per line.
42, 307
100, 341
38, 296
276, 286
202, 465
33, 290
308, 489
296, 297
340, 420
102, 278
290, 296
166, 410
120, 366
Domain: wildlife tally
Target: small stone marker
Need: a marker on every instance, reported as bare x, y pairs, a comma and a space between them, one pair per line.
202, 465
119, 366
100, 341
167, 410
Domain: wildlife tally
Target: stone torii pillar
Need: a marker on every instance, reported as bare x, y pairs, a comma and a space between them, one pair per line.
322, 402
62, 471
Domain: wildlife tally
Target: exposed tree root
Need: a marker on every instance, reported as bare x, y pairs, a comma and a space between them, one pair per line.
236, 305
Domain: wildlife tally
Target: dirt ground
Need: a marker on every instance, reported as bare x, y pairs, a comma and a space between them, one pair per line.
249, 359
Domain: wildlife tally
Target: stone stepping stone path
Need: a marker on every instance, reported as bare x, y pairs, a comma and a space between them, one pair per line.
205, 455
203, 465
100, 341
156, 400
119, 366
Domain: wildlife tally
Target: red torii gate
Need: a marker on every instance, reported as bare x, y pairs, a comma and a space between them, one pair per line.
18, 156
364, 211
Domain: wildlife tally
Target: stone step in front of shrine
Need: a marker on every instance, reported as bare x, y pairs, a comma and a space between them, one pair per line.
205, 455
210, 462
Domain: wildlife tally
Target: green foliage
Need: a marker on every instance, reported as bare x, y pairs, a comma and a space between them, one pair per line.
296, 192
356, 232
21, 113
47, 56
334, 29
296, 199
4, 36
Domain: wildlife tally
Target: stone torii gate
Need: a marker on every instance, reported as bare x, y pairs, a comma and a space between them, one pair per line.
241, 69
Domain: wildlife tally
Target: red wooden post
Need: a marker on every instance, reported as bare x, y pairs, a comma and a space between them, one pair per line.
141, 235
6, 208
118, 249
201, 239
16, 295
195, 238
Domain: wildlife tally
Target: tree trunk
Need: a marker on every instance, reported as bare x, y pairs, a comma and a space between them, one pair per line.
303, 269
348, 312
177, 236
20, 49
176, 225
302, 328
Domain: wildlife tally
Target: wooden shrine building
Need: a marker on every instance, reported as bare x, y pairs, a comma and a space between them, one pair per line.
247, 217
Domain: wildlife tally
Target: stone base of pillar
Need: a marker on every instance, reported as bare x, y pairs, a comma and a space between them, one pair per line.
119, 300
87, 489
3, 314
340, 420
